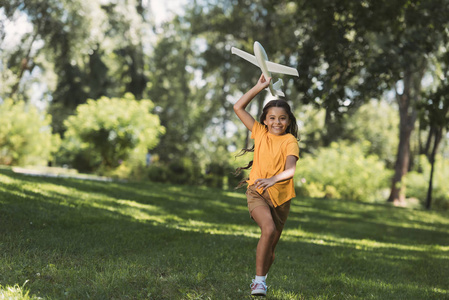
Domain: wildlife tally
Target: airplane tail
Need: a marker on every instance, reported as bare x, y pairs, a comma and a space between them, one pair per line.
277, 88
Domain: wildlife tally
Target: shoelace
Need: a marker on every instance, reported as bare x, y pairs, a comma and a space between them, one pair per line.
255, 283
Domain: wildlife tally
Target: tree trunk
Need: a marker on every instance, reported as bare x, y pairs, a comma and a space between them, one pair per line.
407, 115
24, 65
426, 151
438, 136
406, 125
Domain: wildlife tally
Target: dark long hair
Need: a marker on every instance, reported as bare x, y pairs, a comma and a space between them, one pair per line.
292, 129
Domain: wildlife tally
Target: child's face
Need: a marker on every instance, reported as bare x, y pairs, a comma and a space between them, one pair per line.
277, 120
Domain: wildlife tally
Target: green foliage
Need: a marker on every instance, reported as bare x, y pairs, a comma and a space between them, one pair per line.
79, 49
376, 122
311, 122
106, 132
183, 171
178, 171
342, 171
25, 135
158, 172
87, 49
417, 182
222, 175
215, 174
185, 111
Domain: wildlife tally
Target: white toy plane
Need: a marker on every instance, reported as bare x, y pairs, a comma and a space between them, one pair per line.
260, 59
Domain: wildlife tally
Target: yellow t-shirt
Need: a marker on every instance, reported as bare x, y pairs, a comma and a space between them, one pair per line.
270, 155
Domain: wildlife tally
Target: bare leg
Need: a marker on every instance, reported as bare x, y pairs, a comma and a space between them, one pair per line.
273, 246
268, 239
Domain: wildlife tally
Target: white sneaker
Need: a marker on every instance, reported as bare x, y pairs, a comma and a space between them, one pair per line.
258, 288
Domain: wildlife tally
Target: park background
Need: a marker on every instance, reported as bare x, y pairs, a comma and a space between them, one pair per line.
92, 87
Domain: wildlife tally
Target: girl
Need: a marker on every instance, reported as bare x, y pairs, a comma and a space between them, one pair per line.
270, 184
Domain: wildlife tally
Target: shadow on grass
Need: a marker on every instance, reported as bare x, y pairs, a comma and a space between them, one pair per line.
81, 239
380, 223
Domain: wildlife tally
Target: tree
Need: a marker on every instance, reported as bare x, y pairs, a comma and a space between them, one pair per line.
112, 62
91, 48
331, 46
404, 38
364, 49
184, 103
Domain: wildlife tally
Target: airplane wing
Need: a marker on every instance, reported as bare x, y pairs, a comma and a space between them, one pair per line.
277, 68
272, 67
245, 55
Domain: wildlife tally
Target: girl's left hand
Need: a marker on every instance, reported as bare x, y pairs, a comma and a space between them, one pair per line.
264, 183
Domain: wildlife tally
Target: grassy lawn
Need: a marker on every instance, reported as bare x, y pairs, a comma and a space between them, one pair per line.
66, 238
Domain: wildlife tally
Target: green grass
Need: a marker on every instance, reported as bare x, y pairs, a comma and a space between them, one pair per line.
72, 239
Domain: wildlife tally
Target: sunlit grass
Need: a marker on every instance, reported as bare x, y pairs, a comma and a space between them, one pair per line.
15, 292
75, 239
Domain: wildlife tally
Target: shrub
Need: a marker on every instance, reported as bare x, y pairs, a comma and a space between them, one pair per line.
158, 172
108, 132
184, 171
215, 174
25, 135
342, 171
376, 122
222, 175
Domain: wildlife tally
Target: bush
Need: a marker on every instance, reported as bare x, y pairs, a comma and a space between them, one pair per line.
222, 175
107, 133
157, 172
342, 171
184, 171
25, 135
376, 122
215, 175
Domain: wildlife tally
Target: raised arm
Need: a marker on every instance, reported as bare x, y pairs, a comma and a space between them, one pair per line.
242, 103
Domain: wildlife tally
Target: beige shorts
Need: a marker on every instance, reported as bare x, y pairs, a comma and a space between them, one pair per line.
279, 213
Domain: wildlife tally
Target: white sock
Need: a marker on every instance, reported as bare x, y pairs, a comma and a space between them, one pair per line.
260, 278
